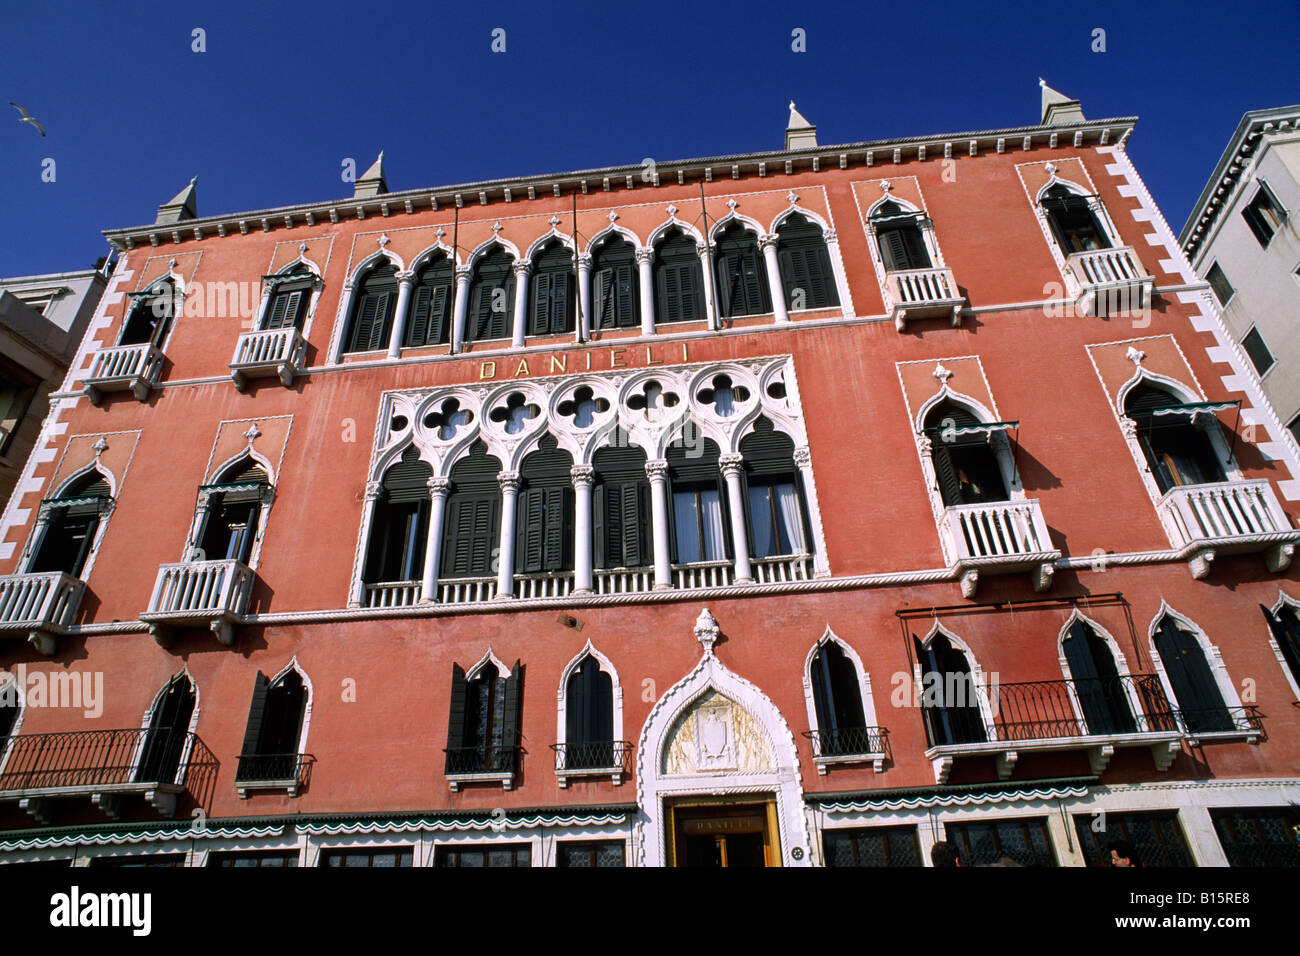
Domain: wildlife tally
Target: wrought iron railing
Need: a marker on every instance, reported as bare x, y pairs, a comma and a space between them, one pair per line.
86, 759
1211, 720
261, 768
493, 758
1124, 704
848, 741
593, 755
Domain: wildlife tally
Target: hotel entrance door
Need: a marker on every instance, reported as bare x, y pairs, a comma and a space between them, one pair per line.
723, 833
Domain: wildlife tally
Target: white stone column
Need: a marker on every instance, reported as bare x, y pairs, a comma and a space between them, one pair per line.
645, 270
731, 465
657, 471
462, 306
509, 482
405, 283
583, 476
583, 325
374, 491
439, 488
523, 269
706, 270
774, 287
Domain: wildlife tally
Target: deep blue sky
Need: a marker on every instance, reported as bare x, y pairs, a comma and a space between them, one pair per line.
286, 91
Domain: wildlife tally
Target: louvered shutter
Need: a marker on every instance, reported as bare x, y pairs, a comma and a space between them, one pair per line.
625, 296
486, 529
438, 326
751, 274
728, 284
790, 262
253, 729
283, 310
1194, 685
560, 310
417, 328
481, 312
631, 515
512, 719
599, 533
456, 715
893, 249
821, 290
379, 331
669, 294
540, 320
949, 486
603, 283
530, 530
365, 318
557, 529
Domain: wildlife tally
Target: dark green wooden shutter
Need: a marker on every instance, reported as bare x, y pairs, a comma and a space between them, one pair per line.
625, 291
512, 719
1189, 673
380, 328
949, 486
631, 514
529, 530
417, 327
256, 713
599, 533
408, 478
283, 311
540, 319
557, 530
561, 283
603, 282
456, 715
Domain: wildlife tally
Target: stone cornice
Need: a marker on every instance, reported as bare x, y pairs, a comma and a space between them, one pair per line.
810, 159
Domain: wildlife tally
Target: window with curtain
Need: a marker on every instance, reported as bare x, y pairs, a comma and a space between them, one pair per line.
430, 320
615, 288
490, 313
776, 506
399, 528
698, 503
679, 282
899, 236
806, 275
373, 307
1199, 698
69, 532
552, 308
1178, 451
483, 727
1073, 222
273, 732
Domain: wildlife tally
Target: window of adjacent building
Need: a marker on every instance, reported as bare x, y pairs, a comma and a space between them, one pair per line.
806, 275
965, 462
274, 729
1259, 354
122, 862
872, 846
287, 308
837, 700
17, 389
234, 507
483, 727
69, 531
1258, 837
950, 704
273, 859
589, 717
1200, 701
544, 523
430, 319
898, 233
1156, 837
679, 283
699, 502
552, 307
1223, 290
1177, 449
399, 526
1025, 841
494, 855
168, 732
614, 285
1264, 214
491, 297
372, 311
777, 511
472, 525
151, 316
1095, 681
741, 274
592, 854
376, 857
1073, 221
620, 509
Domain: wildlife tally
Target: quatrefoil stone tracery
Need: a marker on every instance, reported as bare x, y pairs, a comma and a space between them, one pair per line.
723, 395
583, 407
515, 413
448, 419
653, 400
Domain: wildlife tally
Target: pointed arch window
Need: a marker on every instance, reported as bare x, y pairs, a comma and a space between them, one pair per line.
288, 304
1285, 627
805, 265
544, 526
273, 735
1199, 698
430, 321
777, 507
151, 316
966, 463
372, 312
551, 309
589, 718
900, 238
233, 513
473, 523
841, 721
168, 732
1178, 451
491, 297
71, 524
679, 282
614, 285
400, 525
699, 501
1073, 221
621, 517
483, 728
949, 697
741, 274
1096, 682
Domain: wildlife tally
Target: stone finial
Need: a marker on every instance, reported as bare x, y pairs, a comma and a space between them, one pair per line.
383, 240
372, 182
554, 221
497, 227
1135, 355
182, 206
941, 374
1058, 109
707, 630
612, 216
792, 198
672, 212
253, 433
100, 446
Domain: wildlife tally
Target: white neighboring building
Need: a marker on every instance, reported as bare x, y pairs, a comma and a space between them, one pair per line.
1243, 238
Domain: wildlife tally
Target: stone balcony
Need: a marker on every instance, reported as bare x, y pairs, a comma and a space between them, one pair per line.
133, 368
211, 594
275, 352
999, 537
1228, 517
39, 606
922, 294
1108, 281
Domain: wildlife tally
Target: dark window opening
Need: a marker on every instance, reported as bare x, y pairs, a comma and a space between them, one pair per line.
898, 233
288, 306
1073, 221
234, 509
1223, 290
872, 846
1264, 215
1285, 626
965, 463
1156, 838
589, 717
1177, 451
151, 317
399, 527
372, 315
1259, 837
1259, 354
591, 854
981, 844
615, 285
841, 723
777, 511
272, 734
949, 697
483, 727
1097, 686
169, 727
699, 518
70, 529
679, 283
277, 859
807, 279
496, 855
1199, 698
378, 857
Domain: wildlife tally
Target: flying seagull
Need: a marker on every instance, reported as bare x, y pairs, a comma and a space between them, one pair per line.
27, 118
